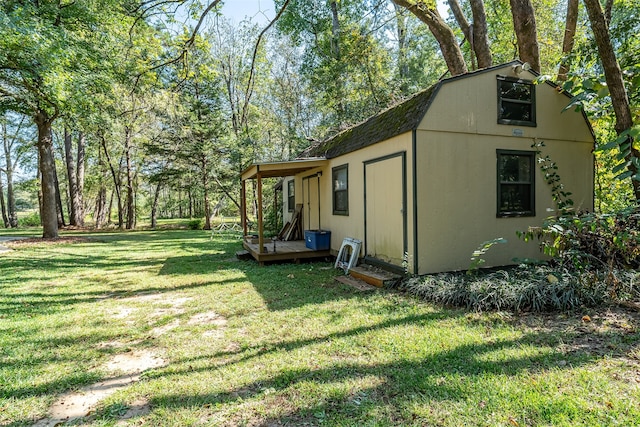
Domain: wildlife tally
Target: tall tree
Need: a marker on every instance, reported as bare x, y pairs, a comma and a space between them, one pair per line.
617, 91
72, 178
480, 44
428, 13
80, 178
15, 142
46, 59
476, 34
524, 25
569, 38
3, 206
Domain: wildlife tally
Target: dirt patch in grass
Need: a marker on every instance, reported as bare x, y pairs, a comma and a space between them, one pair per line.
208, 318
76, 405
116, 344
137, 409
161, 330
123, 312
134, 362
613, 331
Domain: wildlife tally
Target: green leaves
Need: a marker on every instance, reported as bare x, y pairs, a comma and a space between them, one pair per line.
587, 89
549, 170
476, 257
53, 54
625, 143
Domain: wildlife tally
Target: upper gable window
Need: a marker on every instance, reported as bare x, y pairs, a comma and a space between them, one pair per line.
516, 102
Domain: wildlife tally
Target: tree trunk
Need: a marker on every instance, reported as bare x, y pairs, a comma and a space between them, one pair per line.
71, 177
227, 193
335, 53
205, 187
608, 8
335, 30
5, 144
481, 45
135, 201
403, 64
569, 38
100, 213
110, 209
154, 206
5, 218
524, 25
116, 184
464, 26
461, 20
59, 205
131, 213
48, 214
80, 172
39, 175
441, 31
12, 216
120, 196
615, 83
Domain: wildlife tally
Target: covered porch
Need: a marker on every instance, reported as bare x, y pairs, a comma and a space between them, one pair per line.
262, 249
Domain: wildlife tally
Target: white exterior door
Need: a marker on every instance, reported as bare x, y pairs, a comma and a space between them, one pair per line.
311, 209
385, 201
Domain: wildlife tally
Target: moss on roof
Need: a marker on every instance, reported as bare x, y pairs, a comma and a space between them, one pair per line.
391, 122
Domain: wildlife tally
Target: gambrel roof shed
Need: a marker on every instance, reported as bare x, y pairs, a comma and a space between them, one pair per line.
425, 182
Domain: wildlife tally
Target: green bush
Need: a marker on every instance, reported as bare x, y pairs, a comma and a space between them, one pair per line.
591, 241
196, 224
524, 288
31, 220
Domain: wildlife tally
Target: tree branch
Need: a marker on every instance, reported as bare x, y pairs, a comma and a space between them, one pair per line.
187, 45
250, 83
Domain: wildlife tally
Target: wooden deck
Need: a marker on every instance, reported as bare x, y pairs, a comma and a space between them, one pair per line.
294, 250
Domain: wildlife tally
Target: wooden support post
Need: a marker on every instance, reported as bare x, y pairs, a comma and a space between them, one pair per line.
260, 219
243, 208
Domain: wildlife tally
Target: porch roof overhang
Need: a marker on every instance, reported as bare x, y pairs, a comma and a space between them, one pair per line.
275, 169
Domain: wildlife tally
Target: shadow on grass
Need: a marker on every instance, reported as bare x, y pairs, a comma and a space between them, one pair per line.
37, 303
282, 285
438, 377
257, 351
443, 376
43, 297
100, 267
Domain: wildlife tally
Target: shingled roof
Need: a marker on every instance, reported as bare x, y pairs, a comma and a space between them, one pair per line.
396, 120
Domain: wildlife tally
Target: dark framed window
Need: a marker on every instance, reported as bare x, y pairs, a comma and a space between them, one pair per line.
340, 186
516, 183
516, 102
291, 195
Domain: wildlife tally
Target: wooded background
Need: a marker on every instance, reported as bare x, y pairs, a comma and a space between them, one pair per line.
116, 110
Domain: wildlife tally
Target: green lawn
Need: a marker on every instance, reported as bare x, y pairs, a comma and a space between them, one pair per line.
287, 345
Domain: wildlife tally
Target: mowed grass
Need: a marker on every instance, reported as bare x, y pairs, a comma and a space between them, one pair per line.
287, 345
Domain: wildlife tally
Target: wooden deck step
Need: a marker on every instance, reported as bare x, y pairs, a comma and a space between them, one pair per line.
360, 285
374, 276
244, 255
